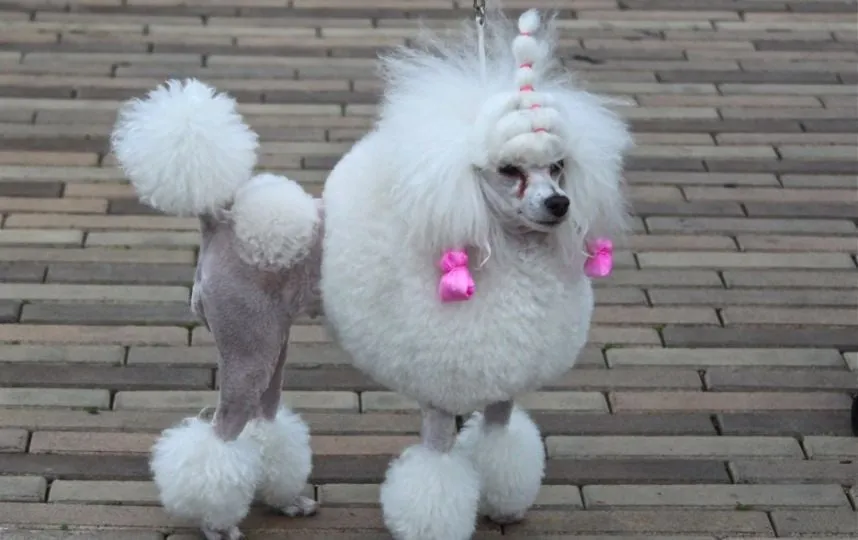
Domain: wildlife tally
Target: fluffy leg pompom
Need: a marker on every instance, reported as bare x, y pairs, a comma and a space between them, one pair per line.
287, 461
510, 460
200, 476
430, 495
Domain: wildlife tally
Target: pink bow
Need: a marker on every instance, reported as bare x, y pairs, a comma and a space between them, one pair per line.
601, 258
456, 283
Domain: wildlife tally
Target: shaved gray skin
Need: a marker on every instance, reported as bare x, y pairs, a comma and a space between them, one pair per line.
249, 312
439, 428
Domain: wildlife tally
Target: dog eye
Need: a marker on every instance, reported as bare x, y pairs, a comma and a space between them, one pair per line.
510, 170
557, 167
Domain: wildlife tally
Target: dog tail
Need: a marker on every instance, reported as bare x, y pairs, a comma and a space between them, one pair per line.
185, 148
276, 222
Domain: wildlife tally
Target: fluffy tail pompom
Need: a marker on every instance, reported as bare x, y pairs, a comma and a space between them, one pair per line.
185, 148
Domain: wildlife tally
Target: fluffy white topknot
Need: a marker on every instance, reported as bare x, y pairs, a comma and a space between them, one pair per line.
185, 148
527, 109
529, 21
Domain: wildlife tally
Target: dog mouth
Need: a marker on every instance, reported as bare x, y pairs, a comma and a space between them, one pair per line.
547, 225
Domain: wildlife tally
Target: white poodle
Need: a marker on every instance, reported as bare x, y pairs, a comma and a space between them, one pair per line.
460, 237
514, 174
187, 152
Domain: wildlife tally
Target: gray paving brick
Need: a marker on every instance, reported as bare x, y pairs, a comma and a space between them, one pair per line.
792, 423
636, 471
760, 336
554, 423
809, 380
173, 313
658, 401
21, 272
758, 297
43, 397
711, 357
837, 448
9, 311
743, 497
736, 225
793, 472
23, 489
834, 279
677, 447
818, 522
70, 354
147, 274
645, 521
111, 377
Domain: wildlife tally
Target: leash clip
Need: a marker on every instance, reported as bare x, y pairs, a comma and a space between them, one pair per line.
480, 12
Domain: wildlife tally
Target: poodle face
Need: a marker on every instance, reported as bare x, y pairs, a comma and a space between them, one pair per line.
528, 197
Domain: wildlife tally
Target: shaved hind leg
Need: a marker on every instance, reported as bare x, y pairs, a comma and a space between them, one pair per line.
286, 453
204, 470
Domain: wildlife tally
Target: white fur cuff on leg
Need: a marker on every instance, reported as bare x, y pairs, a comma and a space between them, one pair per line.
510, 461
286, 458
199, 476
428, 495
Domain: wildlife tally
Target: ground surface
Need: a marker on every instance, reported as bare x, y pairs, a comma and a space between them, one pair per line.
714, 399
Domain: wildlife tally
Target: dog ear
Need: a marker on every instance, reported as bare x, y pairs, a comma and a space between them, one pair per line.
597, 140
442, 205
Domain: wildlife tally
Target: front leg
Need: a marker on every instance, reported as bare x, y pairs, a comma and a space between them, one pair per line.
431, 491
506, 448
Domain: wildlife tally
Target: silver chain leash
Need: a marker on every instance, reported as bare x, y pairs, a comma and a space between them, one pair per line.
480, 17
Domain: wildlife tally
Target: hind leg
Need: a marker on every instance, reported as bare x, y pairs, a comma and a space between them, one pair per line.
203, 470
286, 455
505, 446
431, 491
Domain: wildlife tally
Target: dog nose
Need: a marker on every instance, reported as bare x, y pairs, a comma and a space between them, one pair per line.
557, 205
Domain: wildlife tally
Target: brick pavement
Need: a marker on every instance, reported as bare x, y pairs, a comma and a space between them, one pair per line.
713, 401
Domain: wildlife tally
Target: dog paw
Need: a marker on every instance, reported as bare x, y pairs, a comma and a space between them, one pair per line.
231, 533
507, 519
301, 506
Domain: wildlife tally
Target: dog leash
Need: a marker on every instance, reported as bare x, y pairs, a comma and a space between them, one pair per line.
480, 18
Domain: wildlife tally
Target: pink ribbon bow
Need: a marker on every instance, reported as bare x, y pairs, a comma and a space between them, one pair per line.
456, 283
600, 259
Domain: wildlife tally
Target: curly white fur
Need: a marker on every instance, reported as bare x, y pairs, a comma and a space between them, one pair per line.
185, 148
417, 186
201, 477
428, 495
433, 99
510, 461
286, 459
275, 221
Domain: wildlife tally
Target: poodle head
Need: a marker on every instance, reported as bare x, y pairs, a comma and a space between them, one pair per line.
527, 196
521, 151
508, 146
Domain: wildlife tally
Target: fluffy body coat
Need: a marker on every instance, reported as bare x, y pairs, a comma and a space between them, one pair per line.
423, 181
519, 169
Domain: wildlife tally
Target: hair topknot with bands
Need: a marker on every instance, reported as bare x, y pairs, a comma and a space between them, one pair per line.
526, 52
529, 130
